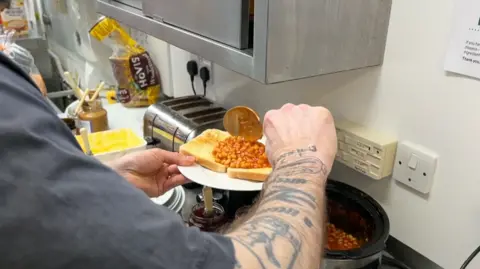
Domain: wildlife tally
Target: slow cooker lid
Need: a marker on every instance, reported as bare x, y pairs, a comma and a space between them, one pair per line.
358, 214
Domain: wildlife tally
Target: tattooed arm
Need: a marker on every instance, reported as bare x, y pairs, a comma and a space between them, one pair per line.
285, 228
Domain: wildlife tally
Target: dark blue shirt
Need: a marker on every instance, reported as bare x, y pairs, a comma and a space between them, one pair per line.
62, 209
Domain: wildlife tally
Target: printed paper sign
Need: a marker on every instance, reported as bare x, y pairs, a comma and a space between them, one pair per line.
463, 55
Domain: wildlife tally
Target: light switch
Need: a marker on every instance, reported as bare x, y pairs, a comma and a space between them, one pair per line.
412, 163
415, 166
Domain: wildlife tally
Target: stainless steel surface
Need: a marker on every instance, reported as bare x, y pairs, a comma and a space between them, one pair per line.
171, 123
58, 26
53, 95
220, 20
240, 61
55, 108
37, 44
292, 39
308, 38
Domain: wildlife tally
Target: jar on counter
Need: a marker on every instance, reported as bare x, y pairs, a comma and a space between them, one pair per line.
93, 116
207, 223
71, 124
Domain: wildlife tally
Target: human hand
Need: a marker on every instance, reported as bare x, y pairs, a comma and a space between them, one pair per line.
154, 171
300, 130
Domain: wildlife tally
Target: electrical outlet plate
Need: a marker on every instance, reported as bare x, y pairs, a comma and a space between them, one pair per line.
415, 166
204, 63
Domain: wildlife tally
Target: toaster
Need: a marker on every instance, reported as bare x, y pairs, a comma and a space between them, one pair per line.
171, 123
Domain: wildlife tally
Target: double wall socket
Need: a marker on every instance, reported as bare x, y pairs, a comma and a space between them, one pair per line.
203, 63
415, 166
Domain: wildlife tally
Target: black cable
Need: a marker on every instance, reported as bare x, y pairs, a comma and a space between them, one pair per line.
470, 258
393, 263
193, 88
192, 69
205, 76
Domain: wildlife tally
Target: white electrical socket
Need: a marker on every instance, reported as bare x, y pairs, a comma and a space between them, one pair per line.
202, 62
415, 166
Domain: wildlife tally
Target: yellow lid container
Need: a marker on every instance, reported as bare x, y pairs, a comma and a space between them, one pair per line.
112, 144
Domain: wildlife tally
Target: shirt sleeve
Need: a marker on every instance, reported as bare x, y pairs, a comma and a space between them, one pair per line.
62, 209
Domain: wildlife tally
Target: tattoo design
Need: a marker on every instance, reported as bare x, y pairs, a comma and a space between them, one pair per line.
270, 235
289, 180
307, 165
265, 232
253, 252
282, 210
308, 222
289, 195
299, 152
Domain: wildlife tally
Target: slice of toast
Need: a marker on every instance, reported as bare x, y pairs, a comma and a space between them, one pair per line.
201, 148
256, 174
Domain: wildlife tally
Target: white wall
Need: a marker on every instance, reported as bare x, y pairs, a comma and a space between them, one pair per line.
410, 96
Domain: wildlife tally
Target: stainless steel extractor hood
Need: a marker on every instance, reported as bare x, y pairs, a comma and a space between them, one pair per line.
291, 39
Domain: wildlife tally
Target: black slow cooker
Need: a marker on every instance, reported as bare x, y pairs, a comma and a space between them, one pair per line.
360, 215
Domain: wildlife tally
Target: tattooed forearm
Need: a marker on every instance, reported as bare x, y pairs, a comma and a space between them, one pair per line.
282, 210
288, 180
289, 195
288, 214
305, 165
262, 236
297, 152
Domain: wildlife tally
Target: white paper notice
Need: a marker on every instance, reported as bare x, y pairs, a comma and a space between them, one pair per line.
463, 55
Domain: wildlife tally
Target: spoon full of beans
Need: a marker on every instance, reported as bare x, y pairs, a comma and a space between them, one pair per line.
243, 121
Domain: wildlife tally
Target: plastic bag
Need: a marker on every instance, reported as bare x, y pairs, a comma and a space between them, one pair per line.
138, 79
22, 57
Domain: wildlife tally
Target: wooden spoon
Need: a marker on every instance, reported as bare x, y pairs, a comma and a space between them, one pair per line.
71, 82
97, 91
86, 143
243, 121
208, 200
80, 103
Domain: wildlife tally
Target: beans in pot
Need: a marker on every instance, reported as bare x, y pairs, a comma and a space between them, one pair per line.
338, 239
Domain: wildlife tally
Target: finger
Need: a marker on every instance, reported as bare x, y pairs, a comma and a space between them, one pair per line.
287, 107
175, 181
175, 157
304, 107
173, 169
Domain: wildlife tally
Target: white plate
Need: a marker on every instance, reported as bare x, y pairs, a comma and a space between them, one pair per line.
181, 202
221, 181
161, 200
177, 198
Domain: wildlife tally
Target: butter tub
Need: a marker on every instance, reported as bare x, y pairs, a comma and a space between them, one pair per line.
113, 144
